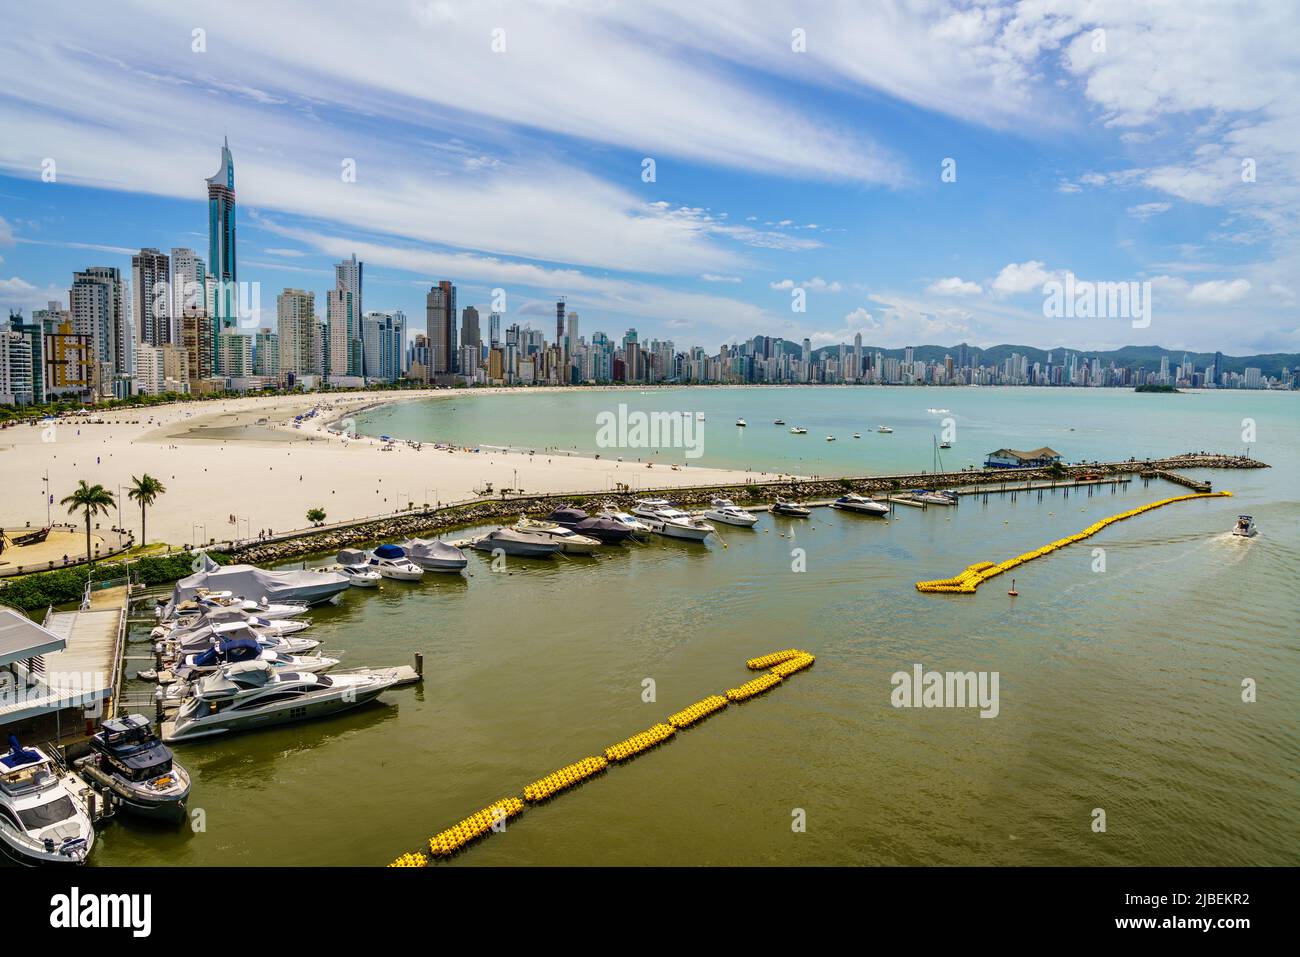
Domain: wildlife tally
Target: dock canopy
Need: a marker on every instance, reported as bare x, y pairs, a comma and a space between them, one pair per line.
1018, 459
21, 638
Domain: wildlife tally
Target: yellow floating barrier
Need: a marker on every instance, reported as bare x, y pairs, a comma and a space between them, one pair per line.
564, 778
448, 842
975, 575
756, 687
767, 661
411, 860
786, 668
639, 742
698, 711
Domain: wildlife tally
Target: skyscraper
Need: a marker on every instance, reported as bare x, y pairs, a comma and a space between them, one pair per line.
221, 239
151, 297
469, 330
345, 344
559, 323
440, 322
347, 275
494, 328
99, 313
188, 275
295, 311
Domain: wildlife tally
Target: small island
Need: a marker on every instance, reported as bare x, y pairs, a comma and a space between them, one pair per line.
1164, 389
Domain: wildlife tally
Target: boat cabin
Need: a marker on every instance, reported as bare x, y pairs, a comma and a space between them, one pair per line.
130, 749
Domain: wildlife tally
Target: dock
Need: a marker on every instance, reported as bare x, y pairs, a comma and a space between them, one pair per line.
88, 667
1030, 486
1179, 479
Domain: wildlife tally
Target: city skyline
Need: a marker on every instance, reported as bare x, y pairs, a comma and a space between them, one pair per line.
1061, 171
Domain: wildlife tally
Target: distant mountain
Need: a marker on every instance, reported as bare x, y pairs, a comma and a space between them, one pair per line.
1130, 357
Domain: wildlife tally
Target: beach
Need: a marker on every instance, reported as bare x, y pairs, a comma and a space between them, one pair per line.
234, 468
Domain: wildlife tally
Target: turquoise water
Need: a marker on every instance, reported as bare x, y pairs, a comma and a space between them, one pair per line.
1119, 690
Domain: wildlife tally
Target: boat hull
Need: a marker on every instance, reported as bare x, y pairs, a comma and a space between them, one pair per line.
271, 717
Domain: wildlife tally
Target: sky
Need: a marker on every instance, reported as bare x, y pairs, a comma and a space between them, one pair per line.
911, 171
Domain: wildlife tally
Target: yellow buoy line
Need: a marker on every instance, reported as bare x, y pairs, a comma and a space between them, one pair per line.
977, 574
493, 817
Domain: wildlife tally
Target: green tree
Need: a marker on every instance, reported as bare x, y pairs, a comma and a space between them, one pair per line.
315, 515
145, 490
91, 499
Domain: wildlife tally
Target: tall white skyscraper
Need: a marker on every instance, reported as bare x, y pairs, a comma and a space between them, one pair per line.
151, 298
188, 275
296, 326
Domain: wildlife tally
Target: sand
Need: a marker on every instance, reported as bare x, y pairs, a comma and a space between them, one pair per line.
242, 459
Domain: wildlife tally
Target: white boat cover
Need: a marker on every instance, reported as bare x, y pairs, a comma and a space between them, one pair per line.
256, 583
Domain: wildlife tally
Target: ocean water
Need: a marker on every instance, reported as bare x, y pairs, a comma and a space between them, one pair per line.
1120, 690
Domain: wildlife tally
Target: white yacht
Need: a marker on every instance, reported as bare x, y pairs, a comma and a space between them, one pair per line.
640, 530
667, 520
253, 694
852, 502
884, 429
570, 542
936, 498
741, 423
391, 562
192, 666
354, 565
857, 435
795, 430
42, 817
783, 506
729, 513
1245, 527
202, 641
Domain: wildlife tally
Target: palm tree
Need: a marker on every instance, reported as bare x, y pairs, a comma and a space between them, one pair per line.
93, 500
145, 490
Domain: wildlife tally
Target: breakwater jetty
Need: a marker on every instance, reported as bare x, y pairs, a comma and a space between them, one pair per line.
435, 521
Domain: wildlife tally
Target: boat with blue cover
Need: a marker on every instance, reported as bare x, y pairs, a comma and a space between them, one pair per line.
42, 817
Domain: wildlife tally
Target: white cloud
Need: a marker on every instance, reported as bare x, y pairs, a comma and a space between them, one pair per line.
816, 284
1219, 291
1147, 210
1021, 277
712, 277
954, 286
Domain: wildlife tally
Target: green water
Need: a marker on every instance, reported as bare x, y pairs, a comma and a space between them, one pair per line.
1119, 690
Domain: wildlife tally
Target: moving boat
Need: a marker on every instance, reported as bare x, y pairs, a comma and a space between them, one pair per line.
857, 435
784, 506
830, 438
128, 759
603, 528
391, 562
740, 422
726, 511
853, 502
510, 542
779, 422
638, 529
884, 429
434, 555
1245, 526
42, 818
667, 520
308, 587
354, 565
945, 445
253, 694
795, 430
570, 542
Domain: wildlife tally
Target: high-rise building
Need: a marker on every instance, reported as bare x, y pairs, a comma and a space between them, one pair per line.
440, 323
151, 297
234, 354
345, 348
221, 240
189, 274
494, 328
266, 354
469, 329
197, 339
15, 367
98, 310
347, 275
295, 311
384, 340
35, 333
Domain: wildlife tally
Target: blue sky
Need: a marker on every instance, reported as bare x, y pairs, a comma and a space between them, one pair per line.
1115, 156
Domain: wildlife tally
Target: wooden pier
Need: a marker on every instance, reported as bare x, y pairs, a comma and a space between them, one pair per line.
1179, 479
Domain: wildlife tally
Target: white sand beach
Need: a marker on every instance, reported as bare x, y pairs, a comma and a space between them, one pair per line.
243, 458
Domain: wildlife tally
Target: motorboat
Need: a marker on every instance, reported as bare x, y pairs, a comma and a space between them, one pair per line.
638, 529
857, 435
779, 422
254, 694
729, 513
830, 438
1245, 527
202, 641
184, 629
435, 556
43, 819
945, 445
310, 587
391, 562
606, 530
354, 565
884, 429
196, 664
263, 609
783, 506
130, 761
795, 430
741, 423
570, 542
935, 497
516, 544
852, 502
666, 519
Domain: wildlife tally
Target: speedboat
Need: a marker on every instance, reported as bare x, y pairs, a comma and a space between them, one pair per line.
779, 422
740, 422
795, 430
391, 562
853, 502
784, 506
857, 435
509, 542
1245, 526
435, 556
638, 529
830, 438
253, 694
129, 760
196, 664
728, 512
606, 530
202, 641
570, 542
884, 429
945, 445
354, 565
667, 520
42, 817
